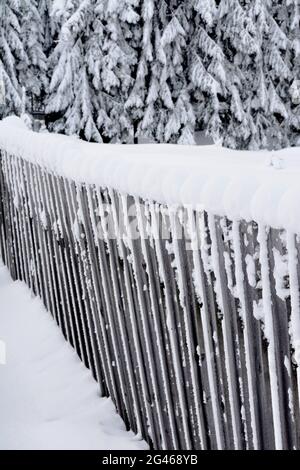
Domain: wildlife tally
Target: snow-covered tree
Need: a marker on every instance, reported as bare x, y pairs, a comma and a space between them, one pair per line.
207, 69
293, 11
70, 96
270, 74
119, 20
236, 34
92, 68
275, 107
11, 55
177, 123
33, 69
159, 102
44, 8
138, 104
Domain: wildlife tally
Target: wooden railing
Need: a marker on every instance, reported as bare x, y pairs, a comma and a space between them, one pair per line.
187, 320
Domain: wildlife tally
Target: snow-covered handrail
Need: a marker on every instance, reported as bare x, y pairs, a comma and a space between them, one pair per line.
249, 185
174, 273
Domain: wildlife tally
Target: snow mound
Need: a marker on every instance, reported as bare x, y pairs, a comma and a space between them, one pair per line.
252, 185
48, 399
15, 121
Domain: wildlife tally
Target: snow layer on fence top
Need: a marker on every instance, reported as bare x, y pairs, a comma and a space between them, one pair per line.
253, 185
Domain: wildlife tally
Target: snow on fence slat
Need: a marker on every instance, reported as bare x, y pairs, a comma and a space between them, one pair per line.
183, 299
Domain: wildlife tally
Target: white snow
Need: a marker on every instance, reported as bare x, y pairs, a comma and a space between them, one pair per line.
250, 268
269, 333
48, 399
240, 184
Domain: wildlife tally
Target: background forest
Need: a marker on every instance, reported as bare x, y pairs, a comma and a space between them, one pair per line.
160, 70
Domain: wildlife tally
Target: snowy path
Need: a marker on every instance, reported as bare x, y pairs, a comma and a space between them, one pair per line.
47, 398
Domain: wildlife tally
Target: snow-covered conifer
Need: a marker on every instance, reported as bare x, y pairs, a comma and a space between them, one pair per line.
207, 69
293, 11
144, 89
159, 101
178, 120
70, 96
33, 69
236, 33
118, 59
44, 8
269, 71
92, 68
11, 55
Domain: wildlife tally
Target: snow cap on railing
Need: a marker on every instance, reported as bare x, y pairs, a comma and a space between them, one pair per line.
262, 186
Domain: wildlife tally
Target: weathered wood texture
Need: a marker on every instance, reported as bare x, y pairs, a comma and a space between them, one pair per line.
183, 318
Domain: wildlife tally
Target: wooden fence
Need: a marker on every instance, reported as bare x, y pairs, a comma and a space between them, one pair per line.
188, 321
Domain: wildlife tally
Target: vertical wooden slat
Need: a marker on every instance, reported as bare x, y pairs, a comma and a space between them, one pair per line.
270, 329
112, 270
223, 299
197, 346
199, 279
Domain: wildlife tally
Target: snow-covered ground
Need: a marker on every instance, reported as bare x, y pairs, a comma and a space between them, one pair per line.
48, 399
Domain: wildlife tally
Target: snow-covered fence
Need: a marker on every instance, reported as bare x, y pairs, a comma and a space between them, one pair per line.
187, 314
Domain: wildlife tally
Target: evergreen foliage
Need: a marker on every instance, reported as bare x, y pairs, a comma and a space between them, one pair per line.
12, 53
130, 70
